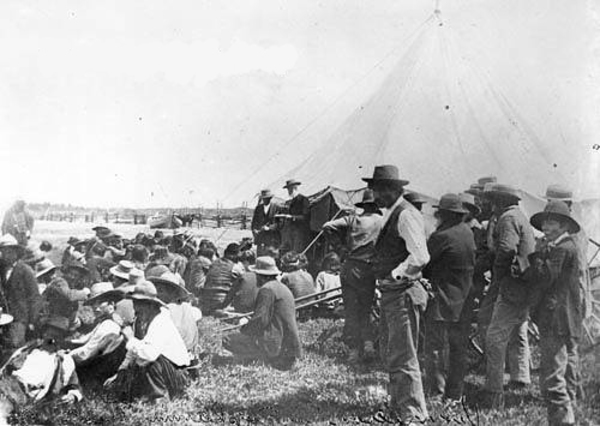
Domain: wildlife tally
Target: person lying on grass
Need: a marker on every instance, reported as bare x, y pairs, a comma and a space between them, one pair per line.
153, 367
271, 334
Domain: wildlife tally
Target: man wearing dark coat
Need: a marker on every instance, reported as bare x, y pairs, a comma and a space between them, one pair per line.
264, 225
271, 334
452, 257
295, 235
20, 294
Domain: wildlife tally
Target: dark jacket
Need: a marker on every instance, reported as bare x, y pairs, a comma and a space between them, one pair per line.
273, 323
243, 293
559, 305
450, 269
219, 281
390, 247
268, 237
300, 283
61, 303
21, 294
513, 243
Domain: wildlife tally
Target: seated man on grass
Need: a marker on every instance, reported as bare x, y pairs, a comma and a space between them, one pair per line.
153, 367
271, 334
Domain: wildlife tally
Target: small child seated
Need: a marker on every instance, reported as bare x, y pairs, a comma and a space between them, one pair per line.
329, 278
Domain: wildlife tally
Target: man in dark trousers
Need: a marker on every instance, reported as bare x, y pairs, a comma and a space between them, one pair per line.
295, 235
513, 243
450, 269
271, 335
358, 282
20, 294
400, 255
264, 225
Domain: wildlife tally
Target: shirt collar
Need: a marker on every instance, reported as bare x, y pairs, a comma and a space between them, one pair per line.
559, 239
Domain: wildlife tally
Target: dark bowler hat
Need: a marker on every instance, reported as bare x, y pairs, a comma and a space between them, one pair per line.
503, 190
468, 201
292, 182
265, 193
558, 192
555, 209
414, 198
368, 199
386, 173
451, 203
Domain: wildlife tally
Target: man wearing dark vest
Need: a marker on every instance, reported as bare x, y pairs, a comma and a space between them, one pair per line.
264, 225
219, 280
400, 255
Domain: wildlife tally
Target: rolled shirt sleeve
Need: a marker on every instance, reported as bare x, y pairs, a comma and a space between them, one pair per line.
411, 228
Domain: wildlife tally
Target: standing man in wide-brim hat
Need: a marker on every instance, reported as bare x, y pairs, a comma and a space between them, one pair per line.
357, 279
558, 307
20, 296
450, 270
400, 256
513, 242
265, 228
295, 234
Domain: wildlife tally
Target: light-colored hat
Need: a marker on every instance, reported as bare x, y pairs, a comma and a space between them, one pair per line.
122, 269
135, 275
145, 291
169, 288
414, 198
558, 192
265, 265
5, 319
104, 291
7, 240
557, 209
43, 267
265, 193
468, 200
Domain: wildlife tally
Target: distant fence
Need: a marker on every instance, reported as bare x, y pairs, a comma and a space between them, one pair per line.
196, 220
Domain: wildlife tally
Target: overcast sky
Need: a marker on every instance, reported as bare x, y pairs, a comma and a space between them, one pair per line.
156, 103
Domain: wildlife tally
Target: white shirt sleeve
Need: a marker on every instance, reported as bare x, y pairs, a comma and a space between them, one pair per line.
411, 228
102, 336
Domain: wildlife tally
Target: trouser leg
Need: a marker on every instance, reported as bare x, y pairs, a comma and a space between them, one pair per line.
243, 347
436, 336
572, 374
519, 354
505, 319
553, 365
358, 289
402, 323
457, 361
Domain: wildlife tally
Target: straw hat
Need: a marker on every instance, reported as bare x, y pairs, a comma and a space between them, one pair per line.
8, 241
122, 269
265, 265
555, 209
451, 203
558, 192
5, 319
103, 292
44, 267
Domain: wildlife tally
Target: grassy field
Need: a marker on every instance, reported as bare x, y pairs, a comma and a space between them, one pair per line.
321, 389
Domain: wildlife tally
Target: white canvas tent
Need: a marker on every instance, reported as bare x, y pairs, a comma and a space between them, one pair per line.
439, 118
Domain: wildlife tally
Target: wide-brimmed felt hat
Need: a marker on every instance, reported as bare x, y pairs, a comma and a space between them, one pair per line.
74, 264
386, 173
291, 182
265, 193
414, 198
558, 192
557, 209
8, 241
468, 201
43, 267
122, 269
451, 203
368, 199
169, 288
265, 265
103, 292
145, 291
501, 189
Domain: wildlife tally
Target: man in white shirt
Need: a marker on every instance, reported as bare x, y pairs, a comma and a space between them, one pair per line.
156, 353
400, 255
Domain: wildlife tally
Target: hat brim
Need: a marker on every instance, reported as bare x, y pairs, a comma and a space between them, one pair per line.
400, 182
143, 297
362, 204
266, 272
108, 296
287, 185
170, 286
492, 193
119, 274
78, 267
6, 319
472, 208
538, 218
45, 271
457, 210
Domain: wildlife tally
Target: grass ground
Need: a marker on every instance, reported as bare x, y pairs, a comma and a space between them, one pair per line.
321, 389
